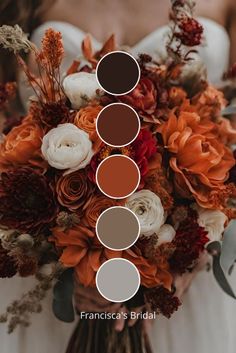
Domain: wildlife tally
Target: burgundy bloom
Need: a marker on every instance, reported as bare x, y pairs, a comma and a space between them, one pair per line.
191, 32
8, 266
190, 240
26, 200
141, 151
162, 301
26, 265
143, 98
54, 113
7, 92
144, 148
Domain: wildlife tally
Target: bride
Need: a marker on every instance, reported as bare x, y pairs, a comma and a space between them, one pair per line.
206, 322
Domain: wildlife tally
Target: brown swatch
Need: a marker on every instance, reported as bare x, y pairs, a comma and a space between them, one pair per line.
117, 228
118, 72
118, 176
118, 124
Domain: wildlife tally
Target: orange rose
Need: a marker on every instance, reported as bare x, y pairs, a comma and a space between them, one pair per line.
22, 147
97, 204
201, 164
85, 119
83, 251
74, 190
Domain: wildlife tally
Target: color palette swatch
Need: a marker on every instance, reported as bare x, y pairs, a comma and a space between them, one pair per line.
118, 177
118, 228
118, 124
118, 73
118, 280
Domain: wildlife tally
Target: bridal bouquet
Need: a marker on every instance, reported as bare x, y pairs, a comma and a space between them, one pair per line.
49, 200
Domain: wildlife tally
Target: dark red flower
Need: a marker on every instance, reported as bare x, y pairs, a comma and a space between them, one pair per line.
143, 98
26, 200
54, 113
8, 266
162, 301
144, 148
190, 240
26, 265
141, 151
190, 33
7, 92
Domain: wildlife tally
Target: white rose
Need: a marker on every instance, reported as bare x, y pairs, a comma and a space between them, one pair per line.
148, 208
67, 147
165, 235
80, 87
213, 221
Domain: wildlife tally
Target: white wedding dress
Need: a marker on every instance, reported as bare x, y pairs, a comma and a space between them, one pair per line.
206, 323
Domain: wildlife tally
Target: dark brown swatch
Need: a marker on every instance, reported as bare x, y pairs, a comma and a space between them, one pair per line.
118, 176
118, 72
117, 228
118, 124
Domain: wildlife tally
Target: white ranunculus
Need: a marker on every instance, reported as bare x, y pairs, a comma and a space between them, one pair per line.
67, 147
148, 208
165, 235
213, 221
80, 87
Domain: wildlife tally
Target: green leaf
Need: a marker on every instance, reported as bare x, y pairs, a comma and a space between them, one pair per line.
230, 110
63, 297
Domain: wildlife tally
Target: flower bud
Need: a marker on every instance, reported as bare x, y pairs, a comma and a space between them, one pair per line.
25, 241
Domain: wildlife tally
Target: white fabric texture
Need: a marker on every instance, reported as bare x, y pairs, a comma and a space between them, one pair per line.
206, 322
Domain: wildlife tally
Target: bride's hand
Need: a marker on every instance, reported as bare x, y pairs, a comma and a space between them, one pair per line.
90, 300
183, 282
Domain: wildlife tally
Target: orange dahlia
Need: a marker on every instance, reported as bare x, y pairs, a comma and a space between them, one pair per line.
82, 250
200, 164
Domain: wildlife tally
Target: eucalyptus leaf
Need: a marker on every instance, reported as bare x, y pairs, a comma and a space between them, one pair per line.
63, 297
221, 278
230, 110
64, 311
228, 252
214, 248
